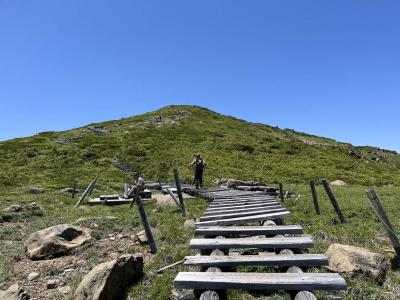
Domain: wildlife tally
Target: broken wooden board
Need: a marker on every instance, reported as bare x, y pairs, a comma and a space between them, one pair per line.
299, 260
259, 281
248, 230
243, 220
298, 242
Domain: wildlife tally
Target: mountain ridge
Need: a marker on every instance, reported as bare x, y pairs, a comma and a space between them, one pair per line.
155, 142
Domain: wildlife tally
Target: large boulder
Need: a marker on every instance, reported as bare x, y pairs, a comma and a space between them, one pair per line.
14, 292
55, 241
109, 280
355, 260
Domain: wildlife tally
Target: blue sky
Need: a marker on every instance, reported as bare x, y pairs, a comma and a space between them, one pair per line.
330, 68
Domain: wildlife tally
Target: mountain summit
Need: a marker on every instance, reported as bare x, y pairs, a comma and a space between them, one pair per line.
156, 142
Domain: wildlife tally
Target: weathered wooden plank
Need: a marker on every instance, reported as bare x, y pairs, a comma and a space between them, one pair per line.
241, 214
258, 260
249, 230
259, 243
238, 210
215, 205
260, 281
244, 198
243, 220
245, 206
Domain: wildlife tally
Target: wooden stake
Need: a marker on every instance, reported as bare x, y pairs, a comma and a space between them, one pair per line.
281, 192
145, 222
314, 196
374, 199
173, 197
74, 189
334, 202
179, 192
86, 192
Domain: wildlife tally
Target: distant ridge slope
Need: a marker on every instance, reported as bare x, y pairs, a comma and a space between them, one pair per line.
155, 142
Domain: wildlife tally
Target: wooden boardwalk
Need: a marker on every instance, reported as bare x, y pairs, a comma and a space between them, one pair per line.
252, 221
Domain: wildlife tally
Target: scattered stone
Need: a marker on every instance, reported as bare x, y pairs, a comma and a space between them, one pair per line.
34, 207
32, 276
338, 183
189, 224
232, 183
355, 260
13, 208
332, 297
390, 296
69, 190
109, 280
182, 295
164, 200
33, 190
55, 241
52, 284
65, 289
141, 235
14, 292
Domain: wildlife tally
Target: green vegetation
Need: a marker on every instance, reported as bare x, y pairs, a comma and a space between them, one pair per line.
233, 148
153, 146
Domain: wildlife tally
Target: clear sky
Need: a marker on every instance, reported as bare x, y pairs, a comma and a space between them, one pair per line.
330, 68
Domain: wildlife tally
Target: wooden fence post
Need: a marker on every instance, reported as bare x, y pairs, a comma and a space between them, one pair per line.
281, 192
314, 196
74, 188
374, 199
335, 204
87, 192
179, 192
145, 222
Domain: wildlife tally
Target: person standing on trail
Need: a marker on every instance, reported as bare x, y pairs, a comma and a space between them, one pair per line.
198, 166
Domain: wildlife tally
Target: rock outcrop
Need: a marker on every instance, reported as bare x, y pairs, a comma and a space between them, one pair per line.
55, 241
109, 280
355, 260
14, 292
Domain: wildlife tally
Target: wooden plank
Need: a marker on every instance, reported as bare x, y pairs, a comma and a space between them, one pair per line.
214, 205
237, 210
249, 230
241, 214
259, 260
253, 242
243, 220
260, 281
244, 198
110, 201
246, 206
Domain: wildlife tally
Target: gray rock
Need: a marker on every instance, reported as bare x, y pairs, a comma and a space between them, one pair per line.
357, 261
32, 276
14, 292
55, 241
13, 208
109, 280
52, 284
65, 289
189, 224
33, 190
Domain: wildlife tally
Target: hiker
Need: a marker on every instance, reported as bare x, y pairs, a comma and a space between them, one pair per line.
136, 182
198, 166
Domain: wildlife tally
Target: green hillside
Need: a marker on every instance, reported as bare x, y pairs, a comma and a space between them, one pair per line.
154, 143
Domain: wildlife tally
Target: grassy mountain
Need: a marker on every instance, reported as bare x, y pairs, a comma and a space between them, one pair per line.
155, 142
